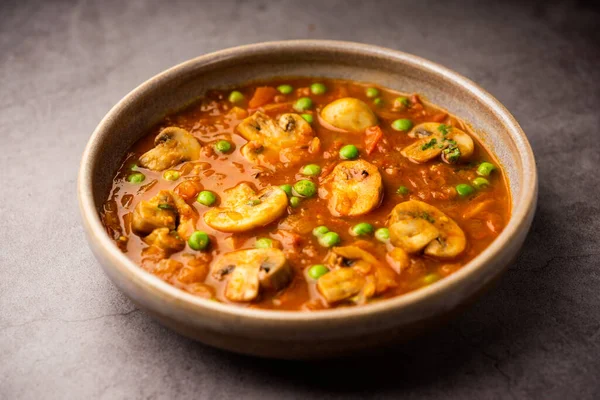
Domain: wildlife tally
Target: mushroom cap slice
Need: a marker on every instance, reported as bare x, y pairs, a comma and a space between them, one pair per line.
275, 271
413, 234
352, 188
165, 210
378, 277
340, 284
250, 270
158, 212
435, 139
243, 283
244, 209
450, 242
172, 146
349, 114
289, 130
352, 256
267, 137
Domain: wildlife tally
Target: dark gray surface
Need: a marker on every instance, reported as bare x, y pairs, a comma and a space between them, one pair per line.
66, 332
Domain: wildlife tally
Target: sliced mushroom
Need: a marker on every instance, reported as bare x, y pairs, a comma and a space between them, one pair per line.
166, 240
244, 209
243, 283
409, 234
461, 147
172, 146
377, 278
351, 256
352, 188
251, 270
158, 212
268, 137
275, 272
413, 234
340, 284
349, 114
165, 210
438, 139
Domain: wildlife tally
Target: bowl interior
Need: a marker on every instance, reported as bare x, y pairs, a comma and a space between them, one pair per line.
183, 84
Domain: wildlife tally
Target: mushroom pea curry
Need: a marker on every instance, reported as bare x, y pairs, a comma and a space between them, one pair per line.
306, 194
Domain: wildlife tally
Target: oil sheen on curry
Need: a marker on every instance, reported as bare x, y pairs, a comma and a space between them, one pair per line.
306, 194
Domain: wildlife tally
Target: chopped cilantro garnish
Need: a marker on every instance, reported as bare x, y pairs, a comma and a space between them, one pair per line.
452, 154
427, 217
429, 144
444, 129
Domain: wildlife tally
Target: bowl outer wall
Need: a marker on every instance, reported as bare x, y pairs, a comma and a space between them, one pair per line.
174, 88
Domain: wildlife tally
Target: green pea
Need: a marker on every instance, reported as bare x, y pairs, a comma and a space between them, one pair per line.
317, 271
236, 97
308, 118
349, 152
403, 190
329, 239
429, 279
317, 88
136, 177
311, 170
134, 167
285, 89
294, 201
223, 146
199, 240
263, 243
303, 104
382, 234
287, 188
485, 168
378, 101
480, 183
372, 92
171, 175
464, 189
206, 198
305, 188
362, 228
402, 101
320, 231
402, 124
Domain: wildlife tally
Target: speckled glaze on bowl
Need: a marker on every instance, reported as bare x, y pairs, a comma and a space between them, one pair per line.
326, 333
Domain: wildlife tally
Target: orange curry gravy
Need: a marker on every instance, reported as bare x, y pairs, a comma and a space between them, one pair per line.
481, 215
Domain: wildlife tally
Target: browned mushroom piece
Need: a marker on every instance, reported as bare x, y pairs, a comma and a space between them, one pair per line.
172, 146
251, 270
352, 188
243, 209
269, 138
438, 139
415, 226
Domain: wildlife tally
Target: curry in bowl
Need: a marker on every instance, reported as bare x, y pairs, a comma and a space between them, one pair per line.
306, 194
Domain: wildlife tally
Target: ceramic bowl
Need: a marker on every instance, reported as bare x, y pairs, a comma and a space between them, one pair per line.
325, 333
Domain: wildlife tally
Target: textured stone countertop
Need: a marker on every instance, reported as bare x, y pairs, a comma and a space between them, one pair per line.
67, 332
